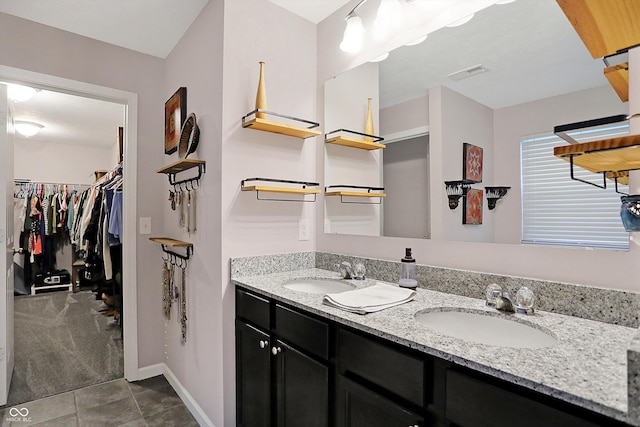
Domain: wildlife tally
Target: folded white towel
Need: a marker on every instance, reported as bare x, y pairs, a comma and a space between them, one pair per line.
370, 299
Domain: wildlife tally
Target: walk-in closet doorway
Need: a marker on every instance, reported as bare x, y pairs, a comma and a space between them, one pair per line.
128, 101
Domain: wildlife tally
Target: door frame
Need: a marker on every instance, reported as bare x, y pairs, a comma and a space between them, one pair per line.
130, 171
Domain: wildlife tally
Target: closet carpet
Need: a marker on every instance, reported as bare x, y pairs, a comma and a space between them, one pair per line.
62, 343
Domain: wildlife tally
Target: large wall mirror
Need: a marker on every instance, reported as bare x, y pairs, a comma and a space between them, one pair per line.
514, 70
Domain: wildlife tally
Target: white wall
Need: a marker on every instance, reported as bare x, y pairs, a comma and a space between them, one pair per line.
34, 47
258, 30
462, 120
347, 95
602, 268
63, 163
407, 115
198, 363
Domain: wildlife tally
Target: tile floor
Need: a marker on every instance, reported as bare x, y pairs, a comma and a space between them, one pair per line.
151, 402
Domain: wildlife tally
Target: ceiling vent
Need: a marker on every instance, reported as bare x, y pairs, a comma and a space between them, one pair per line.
468, 72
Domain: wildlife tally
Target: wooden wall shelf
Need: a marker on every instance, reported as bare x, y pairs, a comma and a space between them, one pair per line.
259, 123
171, 243
605, 27
167, 242
261, 186
354, 194
355, 141
273, 189
614, 157
356, 191
618, 76
183, 165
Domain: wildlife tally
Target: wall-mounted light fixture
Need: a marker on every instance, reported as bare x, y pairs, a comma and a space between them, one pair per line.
494, 194
27, 128
456, 190
20, 93
387, 20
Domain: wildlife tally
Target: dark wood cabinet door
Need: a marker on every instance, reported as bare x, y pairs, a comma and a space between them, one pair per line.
302, 385
358, 406
253, 376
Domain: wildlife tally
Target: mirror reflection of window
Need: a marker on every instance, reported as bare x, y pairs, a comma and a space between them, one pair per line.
557, 210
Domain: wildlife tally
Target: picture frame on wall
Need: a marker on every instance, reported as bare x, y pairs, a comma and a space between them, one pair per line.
472, 207
472, 162
175, 113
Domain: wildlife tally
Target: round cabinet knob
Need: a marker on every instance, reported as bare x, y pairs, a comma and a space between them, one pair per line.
263, 344
275, 350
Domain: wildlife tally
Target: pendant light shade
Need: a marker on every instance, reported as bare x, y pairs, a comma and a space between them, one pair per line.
387, 19
353, 35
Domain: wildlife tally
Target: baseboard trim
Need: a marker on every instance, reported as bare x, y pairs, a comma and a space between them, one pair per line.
187, 399
150, 371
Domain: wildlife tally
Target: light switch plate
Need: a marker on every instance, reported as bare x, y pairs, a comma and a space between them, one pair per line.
145, 225
303, 229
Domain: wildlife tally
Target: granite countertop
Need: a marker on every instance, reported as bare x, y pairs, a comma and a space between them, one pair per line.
588, 366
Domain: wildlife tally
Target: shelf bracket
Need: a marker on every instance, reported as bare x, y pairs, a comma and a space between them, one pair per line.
604, 179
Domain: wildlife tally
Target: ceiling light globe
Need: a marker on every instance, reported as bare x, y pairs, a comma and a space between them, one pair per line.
27, 128
19, 93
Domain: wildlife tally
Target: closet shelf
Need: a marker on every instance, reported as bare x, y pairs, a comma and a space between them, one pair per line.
350, 141
301, 189
182, 165
263, 124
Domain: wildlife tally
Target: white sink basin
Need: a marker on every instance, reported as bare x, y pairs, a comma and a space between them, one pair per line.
486, 328
319, 286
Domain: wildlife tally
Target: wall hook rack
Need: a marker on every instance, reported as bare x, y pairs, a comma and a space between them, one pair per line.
177, 259
180, 166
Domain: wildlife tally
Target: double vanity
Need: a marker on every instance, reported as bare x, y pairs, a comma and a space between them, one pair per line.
440, 359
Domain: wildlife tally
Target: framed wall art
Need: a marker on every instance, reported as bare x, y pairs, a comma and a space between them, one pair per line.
472, 167
175, 113
472, 207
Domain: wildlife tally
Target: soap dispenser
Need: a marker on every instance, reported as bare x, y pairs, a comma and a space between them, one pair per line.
408, 272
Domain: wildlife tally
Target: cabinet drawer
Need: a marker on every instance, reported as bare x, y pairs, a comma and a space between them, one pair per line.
358, 406
471, 402
252, 308
383, 365
302, 331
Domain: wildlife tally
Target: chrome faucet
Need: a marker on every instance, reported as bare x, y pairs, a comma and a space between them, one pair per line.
345, 270
504, 301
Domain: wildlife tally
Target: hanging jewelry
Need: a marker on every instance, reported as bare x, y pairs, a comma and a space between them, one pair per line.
166, 286
183, 315
172, 200
194, 202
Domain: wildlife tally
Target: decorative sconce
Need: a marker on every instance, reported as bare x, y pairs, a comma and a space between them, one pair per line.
494, 194
455, 190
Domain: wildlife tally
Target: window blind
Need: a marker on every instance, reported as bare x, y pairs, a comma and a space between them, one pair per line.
557, 210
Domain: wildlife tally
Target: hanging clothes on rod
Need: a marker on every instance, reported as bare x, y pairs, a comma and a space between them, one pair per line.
42, 222
95, 233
